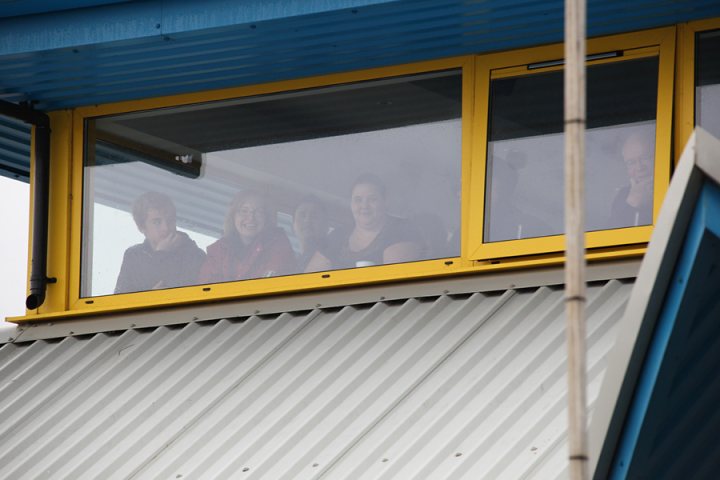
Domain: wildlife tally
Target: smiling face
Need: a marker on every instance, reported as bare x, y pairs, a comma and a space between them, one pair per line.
158, 226
368, 206
250, 218
638, 157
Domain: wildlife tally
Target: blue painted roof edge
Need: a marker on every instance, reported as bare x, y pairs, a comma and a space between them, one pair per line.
643, 316
664, 329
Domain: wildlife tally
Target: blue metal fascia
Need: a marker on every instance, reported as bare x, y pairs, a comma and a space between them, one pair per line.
182, 67
705, 219
14, 148
187, 16
155, 18
290, 47
12, 8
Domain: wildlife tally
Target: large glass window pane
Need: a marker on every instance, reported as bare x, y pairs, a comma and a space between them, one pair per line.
707, 82
329, 178
524, 182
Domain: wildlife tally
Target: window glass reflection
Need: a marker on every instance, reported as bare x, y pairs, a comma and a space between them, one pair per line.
340, 177
524, 183
707, 82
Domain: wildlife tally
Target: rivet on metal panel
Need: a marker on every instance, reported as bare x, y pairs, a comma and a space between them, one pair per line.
382, 298
132, 325
71, 333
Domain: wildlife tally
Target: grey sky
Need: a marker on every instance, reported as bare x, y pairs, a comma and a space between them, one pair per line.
14, 215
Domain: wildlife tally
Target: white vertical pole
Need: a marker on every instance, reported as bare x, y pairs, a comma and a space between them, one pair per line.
575, 234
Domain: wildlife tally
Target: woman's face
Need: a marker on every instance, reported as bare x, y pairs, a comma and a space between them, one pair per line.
250, 218
368, 206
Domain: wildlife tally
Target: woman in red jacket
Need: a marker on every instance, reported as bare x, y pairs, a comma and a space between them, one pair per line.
251, 247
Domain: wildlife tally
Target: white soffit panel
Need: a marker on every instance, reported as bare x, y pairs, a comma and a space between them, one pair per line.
466, 386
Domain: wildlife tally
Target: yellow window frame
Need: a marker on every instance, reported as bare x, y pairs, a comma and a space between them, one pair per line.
685, 81
265, 286
659, 43
66, 190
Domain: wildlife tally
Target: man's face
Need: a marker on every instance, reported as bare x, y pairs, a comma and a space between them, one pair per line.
158, 226
638, 158
310, 221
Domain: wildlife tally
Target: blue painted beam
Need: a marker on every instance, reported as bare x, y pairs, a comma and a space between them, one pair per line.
154, 18
656, 385
14, 8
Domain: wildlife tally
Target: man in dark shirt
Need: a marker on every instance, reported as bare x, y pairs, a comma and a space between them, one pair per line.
633, 203
167, 258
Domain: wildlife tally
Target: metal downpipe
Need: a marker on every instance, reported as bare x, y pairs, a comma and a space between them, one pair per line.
41, 194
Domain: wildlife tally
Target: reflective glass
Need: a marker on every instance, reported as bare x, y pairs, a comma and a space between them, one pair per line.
338, 177
707, 81
524, 182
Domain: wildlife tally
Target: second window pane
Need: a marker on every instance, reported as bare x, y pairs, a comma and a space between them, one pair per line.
524, 182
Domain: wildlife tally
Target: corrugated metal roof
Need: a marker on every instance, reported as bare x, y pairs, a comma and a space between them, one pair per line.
450, 386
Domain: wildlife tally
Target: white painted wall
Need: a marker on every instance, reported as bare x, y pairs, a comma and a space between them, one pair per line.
14, 216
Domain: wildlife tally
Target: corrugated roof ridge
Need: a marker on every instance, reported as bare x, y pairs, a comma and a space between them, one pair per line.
595, 369
278, 423
513, 320
191, 423
92, 400
467, 306
18, 397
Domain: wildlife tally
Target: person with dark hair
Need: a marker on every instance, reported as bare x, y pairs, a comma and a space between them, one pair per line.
251, 246
167, 258
376, 237
633, 203
311, 227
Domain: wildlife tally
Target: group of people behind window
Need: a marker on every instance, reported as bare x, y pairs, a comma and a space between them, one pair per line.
253, 246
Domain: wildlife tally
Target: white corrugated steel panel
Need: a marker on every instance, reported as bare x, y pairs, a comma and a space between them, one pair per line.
463, 386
